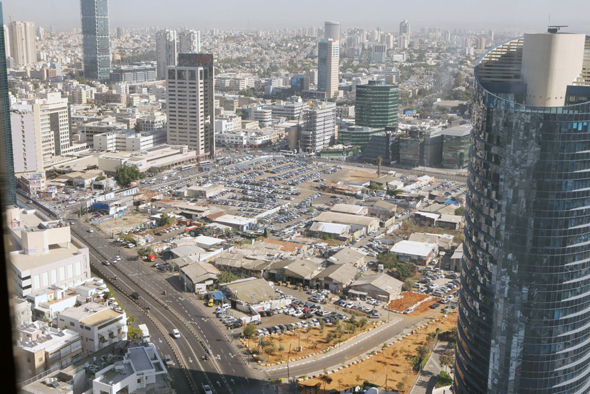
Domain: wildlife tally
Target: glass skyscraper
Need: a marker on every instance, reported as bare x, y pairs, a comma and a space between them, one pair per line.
7, 165
376, 105
524, 310
95, 39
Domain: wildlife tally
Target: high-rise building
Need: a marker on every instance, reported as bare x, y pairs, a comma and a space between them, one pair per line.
166, 51
27, 154
376, 105
328, 58
404, 28
332, 30
190, 41
6, 29
318, 127
95, 39
190, 99
22, 43
120, 32
7, 179
41, 33
523, 310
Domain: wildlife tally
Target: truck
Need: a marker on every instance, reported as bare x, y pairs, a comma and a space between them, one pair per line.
145, 333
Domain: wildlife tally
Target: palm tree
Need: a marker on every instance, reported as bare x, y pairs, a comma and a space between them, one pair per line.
326, 379
379, 160
374, 370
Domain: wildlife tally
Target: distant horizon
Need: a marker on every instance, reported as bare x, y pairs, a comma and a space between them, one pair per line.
64, 15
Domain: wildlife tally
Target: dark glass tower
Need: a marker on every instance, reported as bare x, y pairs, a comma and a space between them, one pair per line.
524, 310
96, 41
376, 105
7, 165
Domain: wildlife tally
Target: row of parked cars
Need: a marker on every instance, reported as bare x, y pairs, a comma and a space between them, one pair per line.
315, 322
373, 313
228, 320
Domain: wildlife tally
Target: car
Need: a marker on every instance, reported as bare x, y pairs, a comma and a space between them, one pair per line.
135, 295
168, 360
207, 389
374, 315
175, 333
409, 310
435, 305
106, 262
90, 230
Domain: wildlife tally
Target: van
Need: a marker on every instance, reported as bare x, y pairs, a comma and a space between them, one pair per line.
210, 302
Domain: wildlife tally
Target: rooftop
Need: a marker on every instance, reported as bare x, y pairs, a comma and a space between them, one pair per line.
348, 208
413, 248
91, 314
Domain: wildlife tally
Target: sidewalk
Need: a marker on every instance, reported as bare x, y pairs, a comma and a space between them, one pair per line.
428, 376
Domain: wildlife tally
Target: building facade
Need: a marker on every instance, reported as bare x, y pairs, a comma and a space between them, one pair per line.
27, 153
22, 43
166, 51
190, 100
189, 41
7, 177
318, 128
95, 39
376, 105
523, 310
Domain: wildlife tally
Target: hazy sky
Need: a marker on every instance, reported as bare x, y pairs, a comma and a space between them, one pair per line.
267, 14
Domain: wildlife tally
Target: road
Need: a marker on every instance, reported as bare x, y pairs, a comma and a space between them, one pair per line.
429, 374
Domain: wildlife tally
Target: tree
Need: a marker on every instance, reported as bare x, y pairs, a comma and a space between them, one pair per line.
401, 386
154, 170
144, 251
127, 174
422, 352
402, 272
322, 326
130, 318
407, 286
166, 220
460, 211
326, 379
266, 234
247, 92
137, 127
249, 330
100, 178
107, 294
374, 370
270, 348
389, 260
134, 333
226, 277
447, 358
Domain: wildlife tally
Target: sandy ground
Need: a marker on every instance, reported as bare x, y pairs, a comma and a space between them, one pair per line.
387, 369
407, 300
355, 175
112, 227
311, 341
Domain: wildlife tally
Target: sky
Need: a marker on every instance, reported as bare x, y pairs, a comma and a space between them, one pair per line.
529, 15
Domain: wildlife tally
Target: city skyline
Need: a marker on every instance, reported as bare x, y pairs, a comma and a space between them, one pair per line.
64, 15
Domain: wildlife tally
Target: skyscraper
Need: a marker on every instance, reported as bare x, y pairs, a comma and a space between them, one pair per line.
524, 320
166, 51
22, 43
190, 41
376, 105
95, 39
404, 28
190, 99
332, 30
318, 129
328, 57
7, 180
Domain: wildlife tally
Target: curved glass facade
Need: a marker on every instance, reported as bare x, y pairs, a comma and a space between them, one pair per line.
524, 311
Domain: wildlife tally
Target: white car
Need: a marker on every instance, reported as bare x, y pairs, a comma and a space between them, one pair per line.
207, 389
176, 333
409, 310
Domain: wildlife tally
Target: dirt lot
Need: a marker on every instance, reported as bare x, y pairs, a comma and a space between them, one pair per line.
408, 299
112, 227
311, 341
355, 175
388, 369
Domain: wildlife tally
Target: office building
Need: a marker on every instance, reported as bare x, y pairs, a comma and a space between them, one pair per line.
379, 53
135, 73
523, 310
166, 51
190, 100
27, 152
357, 135
404, 28
6, 29
22, 43
190, 41
318, 127
332, 30
376, 105
42, 253
96, 40
52, 123
456, 142
328, 58
7, 178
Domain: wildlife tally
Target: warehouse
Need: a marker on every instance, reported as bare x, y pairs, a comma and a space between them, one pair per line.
380, 287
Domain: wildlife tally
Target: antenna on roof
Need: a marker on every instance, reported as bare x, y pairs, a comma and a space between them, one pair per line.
555, 28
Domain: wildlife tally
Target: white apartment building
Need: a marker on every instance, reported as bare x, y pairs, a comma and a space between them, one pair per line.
99, 325
40, 348
288, 110
318, 129
154, 121
262, 116
42, 254
128, 141
26, 144
22, 43
89, 130
166, 51
189, 99
79, 95
139, 368
190, 41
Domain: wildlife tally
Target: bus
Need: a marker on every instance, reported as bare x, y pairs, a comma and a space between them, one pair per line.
145, 333
204, 162
186, 167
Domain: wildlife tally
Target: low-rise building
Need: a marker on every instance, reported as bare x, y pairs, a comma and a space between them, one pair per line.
350, 209
300, 271
252, 295
348, 256
419, 252
99, 325
335, 277
158, 156
195, 277
21, 311
40, 348
456, 258
362, 224
205, 191
334, 230
379, 286
451, 222
382, 209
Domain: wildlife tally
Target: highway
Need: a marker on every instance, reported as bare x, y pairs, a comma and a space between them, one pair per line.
226, 371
